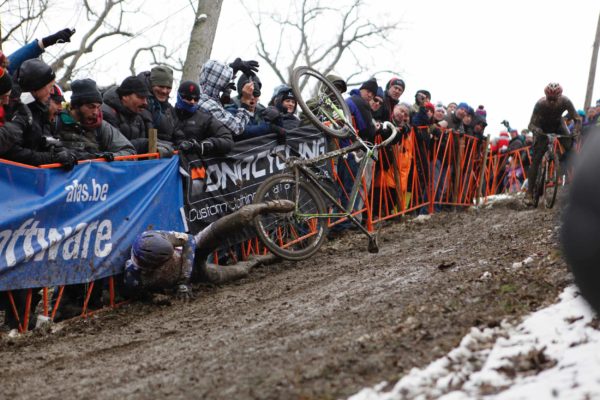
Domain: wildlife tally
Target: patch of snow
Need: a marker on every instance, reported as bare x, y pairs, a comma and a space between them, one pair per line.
552, 353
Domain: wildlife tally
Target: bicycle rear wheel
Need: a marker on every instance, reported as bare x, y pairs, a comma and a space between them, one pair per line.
326, 108
551, 181
298, 234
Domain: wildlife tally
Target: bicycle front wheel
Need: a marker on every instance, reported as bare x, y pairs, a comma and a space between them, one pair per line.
326, 108
294, 235
551, 181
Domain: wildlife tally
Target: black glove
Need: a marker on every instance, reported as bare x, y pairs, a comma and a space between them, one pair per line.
106, 155
59, 37
247, 67
66, 159
271, 114
184, 292
165, 150
192, 146
280, 132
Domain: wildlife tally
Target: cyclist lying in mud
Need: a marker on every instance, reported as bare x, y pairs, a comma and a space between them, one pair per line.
171, 260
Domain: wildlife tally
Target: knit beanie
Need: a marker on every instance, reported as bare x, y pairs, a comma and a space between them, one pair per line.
379, 92
370, 85
133, 84
161, 76
338, 82
288, 94
5, 81
464, 106
34, 74
395, 82
481, 112
189, 89
84, 91
56, 94
429, 106
245, 79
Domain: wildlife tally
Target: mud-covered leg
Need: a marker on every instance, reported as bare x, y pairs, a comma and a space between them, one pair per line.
212, 236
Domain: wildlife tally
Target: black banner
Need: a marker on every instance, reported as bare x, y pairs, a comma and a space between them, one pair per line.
214, 187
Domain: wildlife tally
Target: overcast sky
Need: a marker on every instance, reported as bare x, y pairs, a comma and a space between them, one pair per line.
497, 53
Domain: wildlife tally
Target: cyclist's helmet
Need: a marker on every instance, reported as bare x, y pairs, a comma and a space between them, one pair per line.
151, 250
553, 89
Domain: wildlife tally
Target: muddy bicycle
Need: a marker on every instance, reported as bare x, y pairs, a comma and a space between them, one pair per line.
300, 233
548, 177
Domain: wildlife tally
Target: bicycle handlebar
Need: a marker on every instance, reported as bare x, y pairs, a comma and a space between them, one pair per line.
388, 124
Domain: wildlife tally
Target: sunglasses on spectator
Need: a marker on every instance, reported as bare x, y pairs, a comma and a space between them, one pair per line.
191, 98
378, 100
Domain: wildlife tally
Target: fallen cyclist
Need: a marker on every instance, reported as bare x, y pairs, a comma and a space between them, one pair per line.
172, 260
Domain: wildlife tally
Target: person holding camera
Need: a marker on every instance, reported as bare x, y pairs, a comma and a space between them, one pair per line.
215, 79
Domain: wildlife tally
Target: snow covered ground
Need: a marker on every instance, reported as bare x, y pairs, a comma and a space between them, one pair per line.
553, 353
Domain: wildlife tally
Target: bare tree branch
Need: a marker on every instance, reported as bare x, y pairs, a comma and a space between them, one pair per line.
304, 22
28, 16
69, 60
155, 58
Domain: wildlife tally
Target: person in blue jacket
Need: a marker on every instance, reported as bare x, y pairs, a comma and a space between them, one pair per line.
36, 48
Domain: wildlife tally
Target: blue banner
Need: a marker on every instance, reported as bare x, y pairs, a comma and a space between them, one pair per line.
62, 227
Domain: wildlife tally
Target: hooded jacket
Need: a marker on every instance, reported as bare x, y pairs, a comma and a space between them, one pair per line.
213, 79
202, 127
363, 117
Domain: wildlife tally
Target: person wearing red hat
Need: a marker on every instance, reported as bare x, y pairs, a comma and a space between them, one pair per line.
393, 90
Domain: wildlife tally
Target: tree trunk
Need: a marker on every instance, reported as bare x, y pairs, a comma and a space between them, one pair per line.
592, 75
201, 38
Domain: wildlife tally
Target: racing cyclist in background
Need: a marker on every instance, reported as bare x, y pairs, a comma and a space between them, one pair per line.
547, 118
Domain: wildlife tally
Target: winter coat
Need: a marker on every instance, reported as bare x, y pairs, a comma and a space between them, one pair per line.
88, 142
202, 126
31, 148
214, 77
134, 126
256, 126
163, 114
363, 118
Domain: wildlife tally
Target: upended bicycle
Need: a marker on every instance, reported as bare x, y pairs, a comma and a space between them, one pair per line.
548, 177
300, 233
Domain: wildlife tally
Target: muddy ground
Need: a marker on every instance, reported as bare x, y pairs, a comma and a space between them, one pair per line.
319, 329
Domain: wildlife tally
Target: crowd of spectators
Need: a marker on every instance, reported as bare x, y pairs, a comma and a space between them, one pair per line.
38, 127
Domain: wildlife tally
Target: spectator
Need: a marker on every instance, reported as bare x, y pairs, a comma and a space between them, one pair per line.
358, 103
9, 132
503, 142
393, 90
203, 135
160, 82
481, 112
37, 78
439, 115
56, 103
86, 135
421, 97
36, 48
125, 108
455, 119
214, 79
257, 125
340, 85
81, 128
451, 108
376, 103
285, 101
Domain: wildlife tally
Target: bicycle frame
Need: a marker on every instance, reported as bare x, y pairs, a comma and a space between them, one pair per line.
301, 167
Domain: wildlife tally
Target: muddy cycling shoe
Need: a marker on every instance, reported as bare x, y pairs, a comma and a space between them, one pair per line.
528, 201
